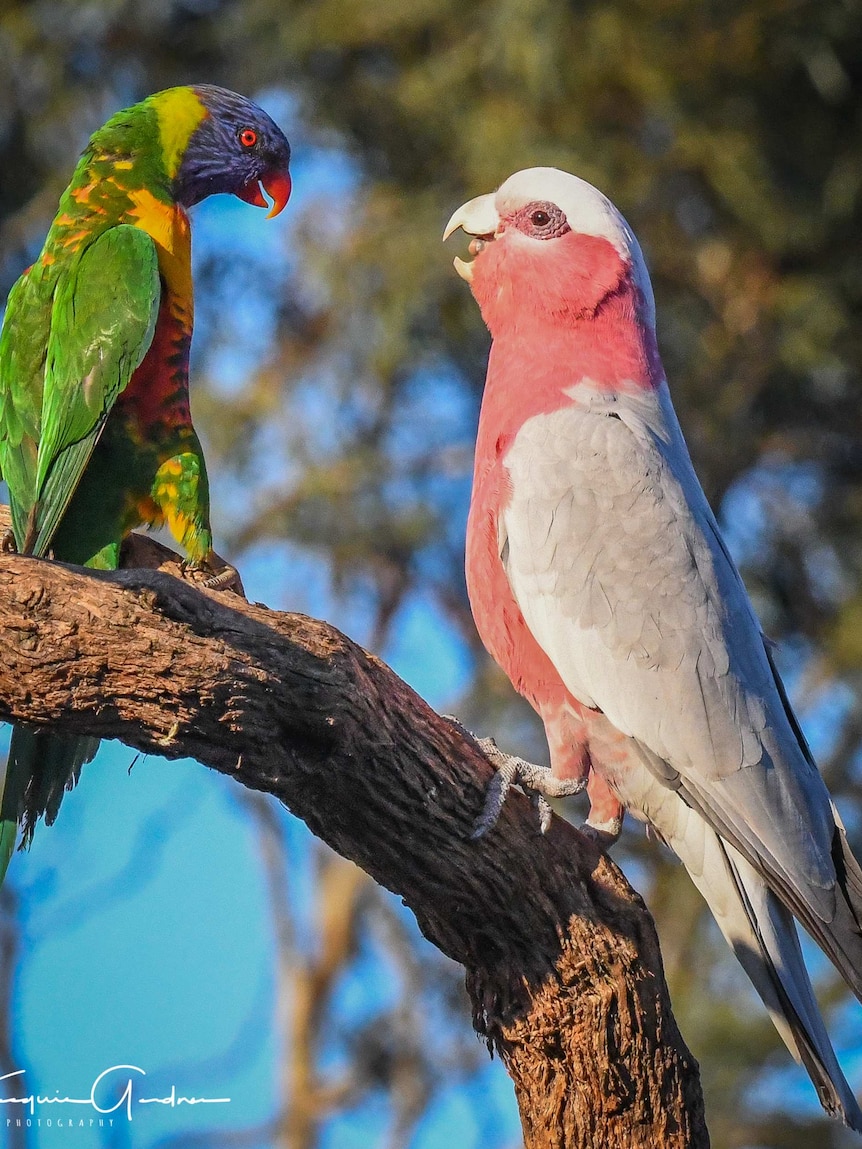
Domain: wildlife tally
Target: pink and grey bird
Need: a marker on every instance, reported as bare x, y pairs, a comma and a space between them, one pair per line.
600, 582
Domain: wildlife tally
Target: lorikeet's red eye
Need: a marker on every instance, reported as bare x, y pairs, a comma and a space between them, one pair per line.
248, 137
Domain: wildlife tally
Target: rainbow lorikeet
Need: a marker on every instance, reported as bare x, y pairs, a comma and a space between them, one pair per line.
96, 436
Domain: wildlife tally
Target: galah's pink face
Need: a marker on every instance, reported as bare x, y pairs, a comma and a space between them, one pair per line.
548, 248
529, 271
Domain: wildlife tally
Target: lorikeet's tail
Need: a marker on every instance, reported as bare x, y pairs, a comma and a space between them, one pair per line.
40, 768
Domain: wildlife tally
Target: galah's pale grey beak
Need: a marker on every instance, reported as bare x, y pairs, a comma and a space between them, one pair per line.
478, 218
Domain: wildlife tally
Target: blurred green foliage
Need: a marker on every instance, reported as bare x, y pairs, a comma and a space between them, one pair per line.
730, 134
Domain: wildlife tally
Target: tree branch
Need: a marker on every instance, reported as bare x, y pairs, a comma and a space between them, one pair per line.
563, 965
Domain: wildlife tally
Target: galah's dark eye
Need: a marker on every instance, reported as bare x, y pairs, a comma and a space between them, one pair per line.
248, 137
542, 220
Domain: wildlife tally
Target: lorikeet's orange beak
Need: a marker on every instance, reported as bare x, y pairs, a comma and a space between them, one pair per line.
277, 186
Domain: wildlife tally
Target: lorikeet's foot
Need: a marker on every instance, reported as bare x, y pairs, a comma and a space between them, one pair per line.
226, 579
537, 782
218, 574
7, 543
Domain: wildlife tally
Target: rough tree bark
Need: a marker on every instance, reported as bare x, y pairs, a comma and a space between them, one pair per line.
562, 961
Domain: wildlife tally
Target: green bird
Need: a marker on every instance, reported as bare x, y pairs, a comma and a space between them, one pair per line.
96, 436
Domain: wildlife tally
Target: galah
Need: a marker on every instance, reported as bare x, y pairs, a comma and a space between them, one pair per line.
601, 584
96, 436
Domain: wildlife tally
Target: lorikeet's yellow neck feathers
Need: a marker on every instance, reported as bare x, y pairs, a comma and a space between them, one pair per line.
123, 156
179, 112
169, 227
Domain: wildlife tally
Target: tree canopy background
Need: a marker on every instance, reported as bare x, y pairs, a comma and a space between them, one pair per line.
337, 371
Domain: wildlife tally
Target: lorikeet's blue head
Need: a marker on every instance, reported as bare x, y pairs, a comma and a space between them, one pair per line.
234, 147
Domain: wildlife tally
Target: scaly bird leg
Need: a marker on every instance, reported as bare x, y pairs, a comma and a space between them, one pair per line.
226, 579
224, 576
537, 782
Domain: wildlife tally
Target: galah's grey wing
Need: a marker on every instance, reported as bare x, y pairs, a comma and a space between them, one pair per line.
615, 561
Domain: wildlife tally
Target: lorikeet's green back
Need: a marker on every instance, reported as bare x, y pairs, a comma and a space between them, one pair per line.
96, 435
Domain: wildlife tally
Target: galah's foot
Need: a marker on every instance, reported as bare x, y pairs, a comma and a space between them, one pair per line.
537, 782
605, 820
7, 542
604, 834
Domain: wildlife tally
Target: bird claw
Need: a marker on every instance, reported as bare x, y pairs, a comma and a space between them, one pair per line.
223, 576
543, 810
8, 545
605, 835
226, 579
538, 782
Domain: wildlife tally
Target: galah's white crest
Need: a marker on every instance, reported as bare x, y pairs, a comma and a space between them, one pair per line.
600, 583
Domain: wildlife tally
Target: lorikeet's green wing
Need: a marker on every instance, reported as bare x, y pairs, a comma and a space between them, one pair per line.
98, 329
102, 324
23, 347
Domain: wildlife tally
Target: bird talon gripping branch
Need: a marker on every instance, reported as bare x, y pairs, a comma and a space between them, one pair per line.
227, 578
537, 782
